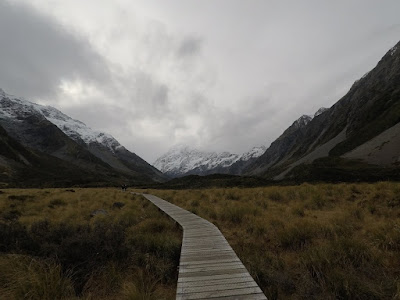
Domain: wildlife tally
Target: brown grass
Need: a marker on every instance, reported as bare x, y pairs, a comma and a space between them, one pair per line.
325, 241
51, 247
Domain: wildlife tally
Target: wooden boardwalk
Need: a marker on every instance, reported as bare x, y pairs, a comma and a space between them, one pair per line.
208, 268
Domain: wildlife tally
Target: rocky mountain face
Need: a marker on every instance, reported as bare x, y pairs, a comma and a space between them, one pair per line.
361, 127
24, 167
46, 130
183, 160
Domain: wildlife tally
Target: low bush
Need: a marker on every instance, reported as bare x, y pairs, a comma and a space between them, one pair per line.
21, 198
23, 277
65, 254
275, 196
297, 235
57, 202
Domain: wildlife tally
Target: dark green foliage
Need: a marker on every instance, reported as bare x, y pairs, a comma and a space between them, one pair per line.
21, 198
57, 202
215, 180
336, 169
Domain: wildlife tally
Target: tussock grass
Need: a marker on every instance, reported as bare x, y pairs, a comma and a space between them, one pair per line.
24, 277
52, 246
322, 241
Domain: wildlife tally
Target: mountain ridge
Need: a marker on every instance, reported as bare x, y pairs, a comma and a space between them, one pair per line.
371, 106
48, 130
182, 160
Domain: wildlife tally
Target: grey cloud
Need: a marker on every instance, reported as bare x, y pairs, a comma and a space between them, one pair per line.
148, 94
242, 128
190, 46
36, 53
241, 81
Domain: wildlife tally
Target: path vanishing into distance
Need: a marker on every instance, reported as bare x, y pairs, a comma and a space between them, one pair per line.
208, 268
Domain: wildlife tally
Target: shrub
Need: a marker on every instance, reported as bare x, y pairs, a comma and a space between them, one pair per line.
104, 281
21, 198
275, 196
23, 277
195, 203
11, 215
57, 202
317, 202
298, 211
143, 286
297, 236
234, 213
15, 238
394, 201
340, 268
232, 194
257, 227
387, 237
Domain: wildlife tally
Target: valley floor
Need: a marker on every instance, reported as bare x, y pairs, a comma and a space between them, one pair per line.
325, 241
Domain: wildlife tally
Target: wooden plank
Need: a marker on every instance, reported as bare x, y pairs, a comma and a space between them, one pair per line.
218, 287
215, 294
209, 268
215, 277
218, 281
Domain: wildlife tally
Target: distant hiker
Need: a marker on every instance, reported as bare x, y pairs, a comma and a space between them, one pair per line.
124, 187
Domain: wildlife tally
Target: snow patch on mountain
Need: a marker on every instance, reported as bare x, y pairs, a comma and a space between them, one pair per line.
14, 108
393, 50
305, 119
302, 121
320, 111
253, 153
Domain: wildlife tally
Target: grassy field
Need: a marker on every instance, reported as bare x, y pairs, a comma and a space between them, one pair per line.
53, 246
325, 241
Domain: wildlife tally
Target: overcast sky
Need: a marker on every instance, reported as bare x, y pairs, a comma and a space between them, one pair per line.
221, 75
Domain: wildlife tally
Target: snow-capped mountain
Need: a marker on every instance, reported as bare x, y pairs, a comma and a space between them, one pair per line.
183, 160
12, 107
48, 130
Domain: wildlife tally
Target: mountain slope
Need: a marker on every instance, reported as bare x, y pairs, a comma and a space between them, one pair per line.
182, 160
47, 130
371, 107
102, 145
24, 167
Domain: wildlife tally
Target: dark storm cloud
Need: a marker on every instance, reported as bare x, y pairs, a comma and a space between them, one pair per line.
190, 46
36, 53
